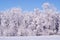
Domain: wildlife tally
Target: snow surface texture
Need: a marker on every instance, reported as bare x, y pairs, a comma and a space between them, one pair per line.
54, 37
15, 22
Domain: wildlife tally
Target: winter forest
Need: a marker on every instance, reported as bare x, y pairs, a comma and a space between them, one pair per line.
16, 22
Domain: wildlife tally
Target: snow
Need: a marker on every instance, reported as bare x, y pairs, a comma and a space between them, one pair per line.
55, 37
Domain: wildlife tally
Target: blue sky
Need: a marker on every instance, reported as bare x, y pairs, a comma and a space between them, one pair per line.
26, 4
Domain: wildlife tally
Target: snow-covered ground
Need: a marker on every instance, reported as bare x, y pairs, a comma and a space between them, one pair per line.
55, 37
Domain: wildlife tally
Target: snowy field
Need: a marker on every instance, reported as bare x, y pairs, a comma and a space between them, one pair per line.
55, 37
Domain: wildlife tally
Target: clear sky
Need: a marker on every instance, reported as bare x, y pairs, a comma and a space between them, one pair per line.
26, 4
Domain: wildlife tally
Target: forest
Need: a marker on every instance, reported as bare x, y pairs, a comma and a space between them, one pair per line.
16, 22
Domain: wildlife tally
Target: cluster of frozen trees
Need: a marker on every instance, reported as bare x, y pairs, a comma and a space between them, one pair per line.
15, 22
